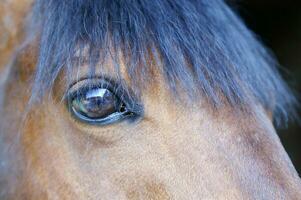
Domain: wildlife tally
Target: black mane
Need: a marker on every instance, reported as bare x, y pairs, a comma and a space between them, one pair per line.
200, 44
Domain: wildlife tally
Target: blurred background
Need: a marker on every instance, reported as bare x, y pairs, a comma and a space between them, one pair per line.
278, 24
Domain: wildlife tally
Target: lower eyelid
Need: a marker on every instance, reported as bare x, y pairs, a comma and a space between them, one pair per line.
105, 135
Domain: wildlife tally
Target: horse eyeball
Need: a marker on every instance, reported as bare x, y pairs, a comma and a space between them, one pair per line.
96, 103
98, 106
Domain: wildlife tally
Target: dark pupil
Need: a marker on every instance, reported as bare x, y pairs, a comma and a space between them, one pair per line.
96, 103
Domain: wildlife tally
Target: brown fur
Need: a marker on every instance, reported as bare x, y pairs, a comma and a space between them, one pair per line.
175, 152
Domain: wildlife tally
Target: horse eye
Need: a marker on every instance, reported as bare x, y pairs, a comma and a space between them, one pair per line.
98, 106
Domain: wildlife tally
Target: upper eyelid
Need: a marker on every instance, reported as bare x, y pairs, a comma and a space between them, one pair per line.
86, 78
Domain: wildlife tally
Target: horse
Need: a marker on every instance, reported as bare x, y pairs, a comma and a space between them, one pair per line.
138, 99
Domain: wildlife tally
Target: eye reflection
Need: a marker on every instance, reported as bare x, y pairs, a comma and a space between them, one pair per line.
96, 103
102, 101
98, 106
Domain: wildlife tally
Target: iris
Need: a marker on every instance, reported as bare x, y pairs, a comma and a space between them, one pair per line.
98, 106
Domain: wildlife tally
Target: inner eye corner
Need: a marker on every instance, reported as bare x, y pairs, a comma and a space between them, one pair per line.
122, 108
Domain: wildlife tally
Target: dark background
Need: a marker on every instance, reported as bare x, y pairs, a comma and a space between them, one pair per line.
278, 24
